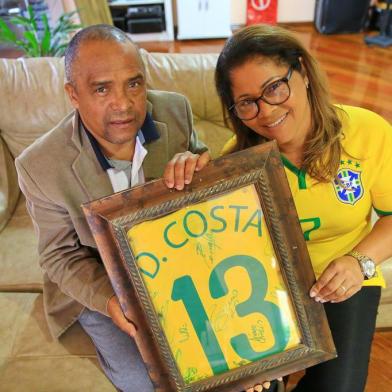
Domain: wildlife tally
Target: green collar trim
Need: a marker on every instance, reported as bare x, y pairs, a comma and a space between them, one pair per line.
298, 172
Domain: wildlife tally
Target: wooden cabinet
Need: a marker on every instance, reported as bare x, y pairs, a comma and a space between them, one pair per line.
203, 19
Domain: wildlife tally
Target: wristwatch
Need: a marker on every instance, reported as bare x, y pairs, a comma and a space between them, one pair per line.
368, 266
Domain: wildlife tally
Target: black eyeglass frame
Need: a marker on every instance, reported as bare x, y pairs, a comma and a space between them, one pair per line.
285, 79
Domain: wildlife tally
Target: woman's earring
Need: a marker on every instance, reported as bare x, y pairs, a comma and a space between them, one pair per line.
307, 84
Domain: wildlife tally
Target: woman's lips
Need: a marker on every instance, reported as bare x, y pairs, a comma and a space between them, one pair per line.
276, 122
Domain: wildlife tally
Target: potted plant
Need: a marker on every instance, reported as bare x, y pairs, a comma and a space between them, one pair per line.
52, 41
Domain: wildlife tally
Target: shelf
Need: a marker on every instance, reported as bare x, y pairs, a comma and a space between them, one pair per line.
167, 35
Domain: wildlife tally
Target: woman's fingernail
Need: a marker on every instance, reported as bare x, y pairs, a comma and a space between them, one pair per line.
312, 294
317, 299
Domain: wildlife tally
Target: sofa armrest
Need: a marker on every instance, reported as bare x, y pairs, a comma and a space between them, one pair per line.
9, 190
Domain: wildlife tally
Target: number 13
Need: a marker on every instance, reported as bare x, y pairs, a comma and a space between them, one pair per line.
185, 290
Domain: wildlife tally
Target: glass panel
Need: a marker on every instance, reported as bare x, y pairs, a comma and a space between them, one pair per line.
215, 283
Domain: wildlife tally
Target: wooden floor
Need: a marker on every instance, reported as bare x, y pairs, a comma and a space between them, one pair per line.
358, 75
380, 367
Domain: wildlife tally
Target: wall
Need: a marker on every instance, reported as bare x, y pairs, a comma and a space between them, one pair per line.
58, 7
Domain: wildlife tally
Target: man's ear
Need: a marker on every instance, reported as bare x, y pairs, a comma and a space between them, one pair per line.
72, 94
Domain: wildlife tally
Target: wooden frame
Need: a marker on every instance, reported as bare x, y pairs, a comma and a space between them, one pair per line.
131, 228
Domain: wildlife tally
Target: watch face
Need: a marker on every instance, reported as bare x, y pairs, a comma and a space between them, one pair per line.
369, 269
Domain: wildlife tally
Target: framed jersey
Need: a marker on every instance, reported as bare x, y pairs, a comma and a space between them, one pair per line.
216, 276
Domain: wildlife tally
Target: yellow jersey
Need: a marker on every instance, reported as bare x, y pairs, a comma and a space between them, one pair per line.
336, 216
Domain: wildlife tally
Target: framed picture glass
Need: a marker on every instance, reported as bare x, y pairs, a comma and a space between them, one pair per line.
216, 276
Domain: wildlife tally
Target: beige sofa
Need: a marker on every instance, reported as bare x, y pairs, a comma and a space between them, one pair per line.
33, 101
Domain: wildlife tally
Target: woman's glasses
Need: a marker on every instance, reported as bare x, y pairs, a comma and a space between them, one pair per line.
275, 93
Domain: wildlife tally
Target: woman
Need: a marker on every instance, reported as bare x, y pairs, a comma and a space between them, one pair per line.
337, 160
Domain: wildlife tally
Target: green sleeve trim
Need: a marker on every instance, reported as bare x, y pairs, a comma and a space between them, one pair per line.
381, 212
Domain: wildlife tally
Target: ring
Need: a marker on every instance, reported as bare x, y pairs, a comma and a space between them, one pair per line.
343, 288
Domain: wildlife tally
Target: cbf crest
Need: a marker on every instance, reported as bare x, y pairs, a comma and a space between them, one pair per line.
348, 186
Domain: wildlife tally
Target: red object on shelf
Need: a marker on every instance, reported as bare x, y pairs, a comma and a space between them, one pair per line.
261, 11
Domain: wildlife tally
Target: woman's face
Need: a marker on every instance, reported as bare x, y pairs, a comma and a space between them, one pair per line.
289, 123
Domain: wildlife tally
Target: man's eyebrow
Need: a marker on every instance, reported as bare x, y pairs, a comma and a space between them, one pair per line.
138, 76
106, 82
100, 82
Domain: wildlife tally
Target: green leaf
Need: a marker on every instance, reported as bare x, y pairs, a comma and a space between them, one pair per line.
64, 23
6, 34
21, 20
53, 41
32, 17
45, 43
34, 49
59, 50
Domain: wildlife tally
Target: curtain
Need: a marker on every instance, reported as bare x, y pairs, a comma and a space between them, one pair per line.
94, 12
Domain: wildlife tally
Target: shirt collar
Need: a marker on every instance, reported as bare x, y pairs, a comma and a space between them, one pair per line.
147, 133
149, 130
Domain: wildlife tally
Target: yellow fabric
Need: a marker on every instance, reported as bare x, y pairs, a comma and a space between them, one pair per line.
332, 223
202, 238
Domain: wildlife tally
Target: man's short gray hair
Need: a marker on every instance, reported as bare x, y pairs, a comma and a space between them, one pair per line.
99, 32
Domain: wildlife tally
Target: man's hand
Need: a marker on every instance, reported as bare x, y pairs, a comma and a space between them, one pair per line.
118, 318
179, 171
339, 281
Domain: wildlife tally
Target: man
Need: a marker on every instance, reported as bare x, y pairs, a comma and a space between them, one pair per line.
119, 135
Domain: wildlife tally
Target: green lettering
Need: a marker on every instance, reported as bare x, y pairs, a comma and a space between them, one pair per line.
237, 215
184, 290
256, 214
316, 225
218, 218
256, 303
153, 272
171, 243
186, 227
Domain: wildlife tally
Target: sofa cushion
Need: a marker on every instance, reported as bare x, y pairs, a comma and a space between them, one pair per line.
19, 267
31, 361
34, 88
9, 190
193, 76
40, 79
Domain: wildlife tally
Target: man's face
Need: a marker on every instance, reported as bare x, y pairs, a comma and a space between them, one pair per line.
109, 90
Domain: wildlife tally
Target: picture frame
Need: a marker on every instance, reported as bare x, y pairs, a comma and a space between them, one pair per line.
216, 277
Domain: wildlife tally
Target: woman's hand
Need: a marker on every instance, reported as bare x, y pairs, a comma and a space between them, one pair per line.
340, 280
179, 171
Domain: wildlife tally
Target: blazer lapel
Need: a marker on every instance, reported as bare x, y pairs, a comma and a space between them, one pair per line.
155, 162
156, 137
93, 179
